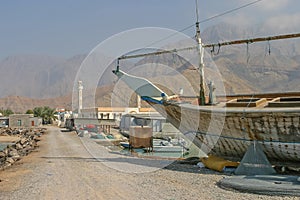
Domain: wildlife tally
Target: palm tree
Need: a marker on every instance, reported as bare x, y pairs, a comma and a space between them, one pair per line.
38, 111
46, 113
49, 114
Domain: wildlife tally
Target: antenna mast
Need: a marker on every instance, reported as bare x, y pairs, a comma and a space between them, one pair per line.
201, 100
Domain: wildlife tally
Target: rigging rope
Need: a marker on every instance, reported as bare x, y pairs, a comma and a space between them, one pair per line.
269, 47
212, 51
169, 36
248, 54
230, 11
203, 21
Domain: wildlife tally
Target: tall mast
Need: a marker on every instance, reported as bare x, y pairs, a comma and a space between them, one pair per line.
201, 100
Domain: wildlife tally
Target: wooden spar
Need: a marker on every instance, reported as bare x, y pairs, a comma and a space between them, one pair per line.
245, 41
261, 39
156, 53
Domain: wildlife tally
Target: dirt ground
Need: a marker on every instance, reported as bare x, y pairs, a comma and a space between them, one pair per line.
66, 166
8, 139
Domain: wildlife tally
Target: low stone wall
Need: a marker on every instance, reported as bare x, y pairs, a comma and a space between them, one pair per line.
27, 142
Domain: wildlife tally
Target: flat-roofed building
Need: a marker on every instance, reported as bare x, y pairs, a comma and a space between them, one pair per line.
24, 121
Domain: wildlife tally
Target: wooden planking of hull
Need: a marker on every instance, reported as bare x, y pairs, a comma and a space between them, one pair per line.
228, 131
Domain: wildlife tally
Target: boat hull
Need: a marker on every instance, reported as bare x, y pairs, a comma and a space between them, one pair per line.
228, 132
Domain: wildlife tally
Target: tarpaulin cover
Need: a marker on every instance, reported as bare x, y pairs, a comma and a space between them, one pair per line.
217, 163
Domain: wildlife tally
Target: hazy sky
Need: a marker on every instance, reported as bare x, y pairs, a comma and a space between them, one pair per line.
70, 27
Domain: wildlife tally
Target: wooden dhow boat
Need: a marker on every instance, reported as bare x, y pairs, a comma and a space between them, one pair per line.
227, 128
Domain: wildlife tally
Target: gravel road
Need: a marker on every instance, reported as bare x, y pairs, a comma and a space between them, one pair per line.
68, 167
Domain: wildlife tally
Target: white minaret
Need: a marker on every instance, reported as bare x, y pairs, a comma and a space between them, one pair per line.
80, 87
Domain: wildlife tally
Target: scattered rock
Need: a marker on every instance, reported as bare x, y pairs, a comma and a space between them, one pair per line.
24, 146
23, 141
2, 154
13, 153
19, 146
10, 160
15, 132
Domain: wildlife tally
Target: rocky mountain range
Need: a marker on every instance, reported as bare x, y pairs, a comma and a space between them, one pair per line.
38, 76
28, 81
